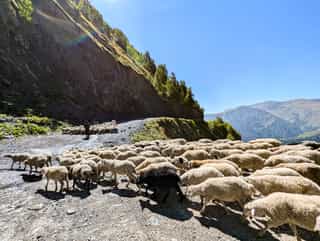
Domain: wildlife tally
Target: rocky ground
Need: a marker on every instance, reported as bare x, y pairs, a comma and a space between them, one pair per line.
27, 213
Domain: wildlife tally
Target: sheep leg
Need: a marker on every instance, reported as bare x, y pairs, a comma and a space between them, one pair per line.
264, 227
61, 184
30, 171
12, 165
115, 179
74, 184
47, 184
241, 203
56, 185
67, 181
132, 179
295, 231
88, 181
181, 195
19, 165
204, 205
201, 200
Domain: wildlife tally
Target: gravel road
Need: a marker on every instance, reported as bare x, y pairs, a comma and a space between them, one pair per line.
27, 213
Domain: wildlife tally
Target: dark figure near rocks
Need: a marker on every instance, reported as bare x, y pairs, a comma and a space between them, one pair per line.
86, 126
161, 183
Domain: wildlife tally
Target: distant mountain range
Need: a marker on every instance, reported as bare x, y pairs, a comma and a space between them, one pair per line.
293, 120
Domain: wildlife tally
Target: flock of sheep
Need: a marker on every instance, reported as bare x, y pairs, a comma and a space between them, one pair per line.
274, 184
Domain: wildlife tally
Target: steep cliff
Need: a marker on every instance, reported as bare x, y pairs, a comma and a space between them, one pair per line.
54, 60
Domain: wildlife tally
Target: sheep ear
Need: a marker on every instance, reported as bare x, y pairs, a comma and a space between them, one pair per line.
317, 226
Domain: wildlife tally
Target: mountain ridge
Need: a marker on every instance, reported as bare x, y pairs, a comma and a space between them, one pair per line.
290, 120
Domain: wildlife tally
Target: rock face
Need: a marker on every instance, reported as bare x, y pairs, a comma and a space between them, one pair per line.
58, 66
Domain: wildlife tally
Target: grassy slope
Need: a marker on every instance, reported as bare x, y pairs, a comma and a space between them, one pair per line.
168, 128
29, 125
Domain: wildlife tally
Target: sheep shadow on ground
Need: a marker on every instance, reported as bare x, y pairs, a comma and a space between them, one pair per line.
31, 177
175, 211
129, 193
304, 234
106, 182
55, 196
83, 186
80, 193
231, 224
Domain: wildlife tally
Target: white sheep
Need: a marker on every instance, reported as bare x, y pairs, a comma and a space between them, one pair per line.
67, 161
150, 154
286, 148
37, 161
177, 141
137, 160
205, 141
176, 150
126, 155
149, 161
309, 154
284, 158
123, 148
242, 146
284, 208
17, 158
107, 154
223, 189
261, 146
158, 168
118, 167
81, 172
272, 141
247, 161
308, 170
290, 184
225, 168
216, 154
265, 154
199, 175
229, 152
152, 148
57, 174
279, 171
92, 164
196, 155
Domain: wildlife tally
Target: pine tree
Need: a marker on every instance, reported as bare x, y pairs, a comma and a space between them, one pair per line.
120, 38
173, 87
148, 63
182, 91
160, 78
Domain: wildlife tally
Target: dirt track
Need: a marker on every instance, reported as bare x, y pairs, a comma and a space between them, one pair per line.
28, 213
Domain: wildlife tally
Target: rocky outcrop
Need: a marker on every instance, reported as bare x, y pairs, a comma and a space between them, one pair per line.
59, 67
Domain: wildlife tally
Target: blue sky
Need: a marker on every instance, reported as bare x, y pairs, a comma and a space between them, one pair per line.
231, 52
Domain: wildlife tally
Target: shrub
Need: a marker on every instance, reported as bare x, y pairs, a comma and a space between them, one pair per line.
168, 128
223, 130
30, 125
25, 9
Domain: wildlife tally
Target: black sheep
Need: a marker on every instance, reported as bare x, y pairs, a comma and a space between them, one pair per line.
161, 182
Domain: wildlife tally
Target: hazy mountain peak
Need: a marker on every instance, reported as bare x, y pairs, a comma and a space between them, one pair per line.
280, 119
